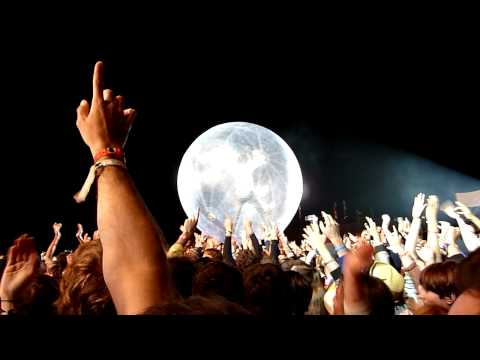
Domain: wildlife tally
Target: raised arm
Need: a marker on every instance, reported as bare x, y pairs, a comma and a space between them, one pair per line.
465, 211
19, 273
431, 213
49, 263
412, 237
249, 232
332, 231
317, 241
134, 257
381, 253
227, 245
471, 241
186, 236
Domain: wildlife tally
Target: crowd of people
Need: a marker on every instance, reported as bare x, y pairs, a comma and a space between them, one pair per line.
396, 267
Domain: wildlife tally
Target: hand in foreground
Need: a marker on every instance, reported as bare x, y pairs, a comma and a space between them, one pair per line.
105, 123
20, 270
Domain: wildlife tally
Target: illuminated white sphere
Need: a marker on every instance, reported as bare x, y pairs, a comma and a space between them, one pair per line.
243, 171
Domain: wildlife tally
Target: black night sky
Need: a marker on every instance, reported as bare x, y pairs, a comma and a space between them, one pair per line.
360, 110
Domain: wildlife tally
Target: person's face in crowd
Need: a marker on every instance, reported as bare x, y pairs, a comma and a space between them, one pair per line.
431, 298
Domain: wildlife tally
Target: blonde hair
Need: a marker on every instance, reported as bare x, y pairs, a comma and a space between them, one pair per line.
82, 288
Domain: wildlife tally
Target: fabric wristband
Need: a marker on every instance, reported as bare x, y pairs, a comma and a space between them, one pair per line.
92, 174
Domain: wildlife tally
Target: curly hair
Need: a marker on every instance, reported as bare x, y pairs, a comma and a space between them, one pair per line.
267, 290
213, 254
82, 289
217, 278
246, 258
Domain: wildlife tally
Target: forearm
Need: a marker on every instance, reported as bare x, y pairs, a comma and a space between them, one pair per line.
339, 246
475, 220
227, 251
469, 238
412, 237
432, 243
274, 252
329, 262
256, 245
134, 259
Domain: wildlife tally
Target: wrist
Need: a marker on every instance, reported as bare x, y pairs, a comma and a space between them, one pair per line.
182, 240
336, 240
111, 152
95, 148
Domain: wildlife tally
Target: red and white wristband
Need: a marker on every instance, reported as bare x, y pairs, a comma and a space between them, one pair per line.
104, 158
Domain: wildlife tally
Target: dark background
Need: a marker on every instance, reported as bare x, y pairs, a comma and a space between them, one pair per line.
374, 113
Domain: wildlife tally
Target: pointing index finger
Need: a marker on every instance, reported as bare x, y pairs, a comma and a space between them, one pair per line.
98, 82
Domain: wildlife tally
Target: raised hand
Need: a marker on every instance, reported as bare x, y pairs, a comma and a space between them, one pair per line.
79, 234
105, 123
418, 206
462, 209
86, 238
314, 237
57, 236
200, 240
247, 226
189, 226
228, 223
56, 229
385, 222
330, 228
371, 227
48, 257
449, 209
394, 239
20, 270
270, 232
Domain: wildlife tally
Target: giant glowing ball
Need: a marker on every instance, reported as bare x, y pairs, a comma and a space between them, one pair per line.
242, 171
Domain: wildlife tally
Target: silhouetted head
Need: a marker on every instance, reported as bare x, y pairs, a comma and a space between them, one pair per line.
266, 290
